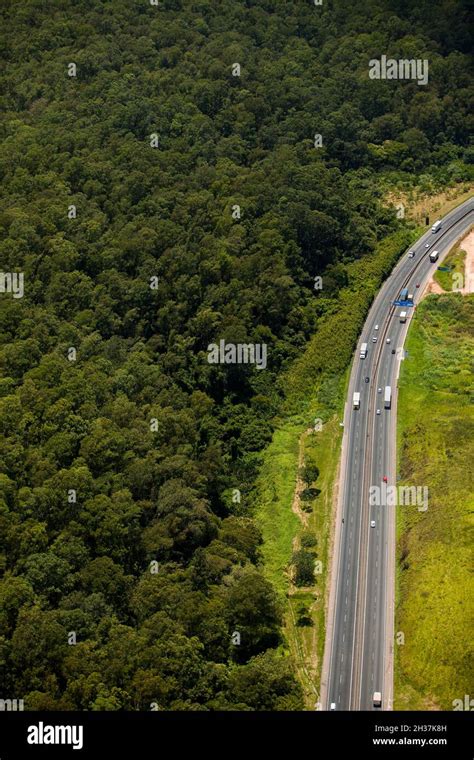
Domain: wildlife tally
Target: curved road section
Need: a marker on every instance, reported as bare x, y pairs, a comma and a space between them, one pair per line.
358, 660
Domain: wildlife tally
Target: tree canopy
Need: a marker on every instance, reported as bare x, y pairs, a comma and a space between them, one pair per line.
158, 199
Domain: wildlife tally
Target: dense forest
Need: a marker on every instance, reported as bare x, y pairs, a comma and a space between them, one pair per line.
163, 189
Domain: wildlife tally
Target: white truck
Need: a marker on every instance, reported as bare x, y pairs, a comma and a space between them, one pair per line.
388, 397
377, 699
356, 400
434, 255
363, 350
436, 226
403, 317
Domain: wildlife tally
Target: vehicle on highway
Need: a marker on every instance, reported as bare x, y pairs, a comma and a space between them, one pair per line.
358, 659
436, 226
434, 255
376, 327
388, 397
417, 284
372, 523
411, 255
367, 379
403, 316
388, 340
356, 400
363, 350
333, 706
374, 339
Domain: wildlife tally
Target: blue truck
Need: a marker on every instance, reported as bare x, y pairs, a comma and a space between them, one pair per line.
404, 299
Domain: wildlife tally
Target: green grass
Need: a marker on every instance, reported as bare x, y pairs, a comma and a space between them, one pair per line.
275, 488
455, 260
324, 448
435, 590
280, 526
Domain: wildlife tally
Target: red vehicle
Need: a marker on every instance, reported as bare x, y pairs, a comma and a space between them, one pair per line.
417, 284
385, 479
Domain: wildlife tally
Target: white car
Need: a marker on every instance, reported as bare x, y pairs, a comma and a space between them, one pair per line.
378, 411
427, 245
372, 523
388, 340
374, 339
376, 327
379, 390
411, 255
333, 706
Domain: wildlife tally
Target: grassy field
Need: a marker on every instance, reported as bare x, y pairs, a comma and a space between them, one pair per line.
323, 447
283, 530
435, 589
455, 260
275, 488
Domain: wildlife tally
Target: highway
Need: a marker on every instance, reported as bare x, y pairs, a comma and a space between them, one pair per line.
358, 656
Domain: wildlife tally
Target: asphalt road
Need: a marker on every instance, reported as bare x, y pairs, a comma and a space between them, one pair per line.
360, 636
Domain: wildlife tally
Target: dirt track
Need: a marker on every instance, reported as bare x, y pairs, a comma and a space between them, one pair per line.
468, 246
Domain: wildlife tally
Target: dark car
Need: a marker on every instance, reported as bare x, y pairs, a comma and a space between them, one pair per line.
393, 350
366, 379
